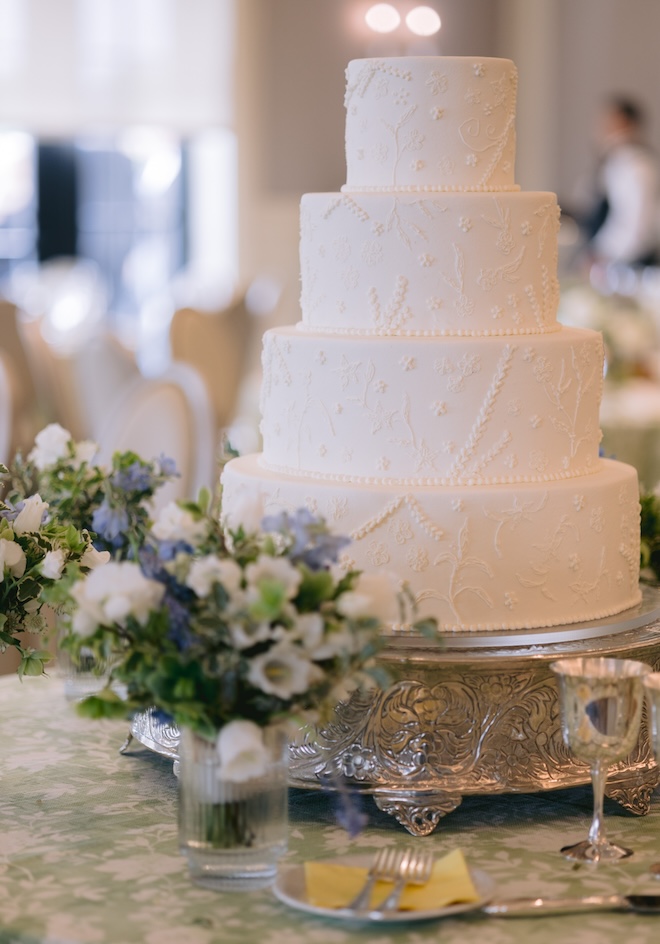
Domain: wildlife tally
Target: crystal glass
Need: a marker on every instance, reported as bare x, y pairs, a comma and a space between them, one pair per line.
652, 686
232, 833
601, 709
83, 676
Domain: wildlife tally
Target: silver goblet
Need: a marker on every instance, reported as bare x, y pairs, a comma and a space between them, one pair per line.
601, 709
652, 686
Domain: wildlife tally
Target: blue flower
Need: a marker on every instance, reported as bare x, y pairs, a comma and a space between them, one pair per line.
312, 543
136, 478
348, 804
10, 511
110, 523
179, 622
166, 466
167, 550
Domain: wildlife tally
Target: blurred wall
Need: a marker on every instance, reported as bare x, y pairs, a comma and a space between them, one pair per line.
290, 82
291, 57
604, 46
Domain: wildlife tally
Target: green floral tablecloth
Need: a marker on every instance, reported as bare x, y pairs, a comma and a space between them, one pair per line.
88, 850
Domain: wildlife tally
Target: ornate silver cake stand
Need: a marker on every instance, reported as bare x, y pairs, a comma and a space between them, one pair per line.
472, 714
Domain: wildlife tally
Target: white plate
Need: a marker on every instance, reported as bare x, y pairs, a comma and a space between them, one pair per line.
290, 888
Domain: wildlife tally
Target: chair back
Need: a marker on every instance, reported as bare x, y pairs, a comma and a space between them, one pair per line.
6, 410
217, 345
166, 415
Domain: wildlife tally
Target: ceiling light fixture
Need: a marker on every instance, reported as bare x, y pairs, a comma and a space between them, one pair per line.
423, 21
382, 18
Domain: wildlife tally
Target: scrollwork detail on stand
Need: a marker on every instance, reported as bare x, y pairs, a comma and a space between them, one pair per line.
419, 817
486, 733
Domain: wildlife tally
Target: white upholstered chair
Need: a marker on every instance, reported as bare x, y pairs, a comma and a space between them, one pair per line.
166, 415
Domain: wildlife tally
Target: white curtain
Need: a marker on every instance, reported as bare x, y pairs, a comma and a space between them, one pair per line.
73, 65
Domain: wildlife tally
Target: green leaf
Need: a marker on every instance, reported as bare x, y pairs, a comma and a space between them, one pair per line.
317, 586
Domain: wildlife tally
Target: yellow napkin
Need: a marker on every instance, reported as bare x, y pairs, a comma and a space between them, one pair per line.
331, 885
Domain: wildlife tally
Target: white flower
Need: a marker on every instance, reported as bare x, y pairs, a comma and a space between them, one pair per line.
12, 558
310, 629
245, 635
242, 752
53, 564
29, 517
208, 570
111, 594
176, 524
279, 569
283, 671
374, 595
93, 558
51, 444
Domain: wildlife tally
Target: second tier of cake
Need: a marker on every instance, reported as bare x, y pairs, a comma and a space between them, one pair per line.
432, 410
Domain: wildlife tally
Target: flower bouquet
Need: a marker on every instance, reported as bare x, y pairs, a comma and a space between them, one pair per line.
110, 504
231, 634
40, 556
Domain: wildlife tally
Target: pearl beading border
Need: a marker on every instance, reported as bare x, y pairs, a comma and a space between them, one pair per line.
305, 327
430, 481
432, 188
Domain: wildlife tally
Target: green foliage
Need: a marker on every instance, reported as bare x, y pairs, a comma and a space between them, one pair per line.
650, 537
265, 638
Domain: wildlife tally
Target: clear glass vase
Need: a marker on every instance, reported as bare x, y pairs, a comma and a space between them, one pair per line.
232, 833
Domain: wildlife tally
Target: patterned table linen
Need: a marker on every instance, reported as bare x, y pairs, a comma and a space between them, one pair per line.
88, 850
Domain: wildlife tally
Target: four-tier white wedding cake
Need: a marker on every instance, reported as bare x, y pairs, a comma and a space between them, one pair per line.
429, 404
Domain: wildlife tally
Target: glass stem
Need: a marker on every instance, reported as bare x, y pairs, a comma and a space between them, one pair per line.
598, 778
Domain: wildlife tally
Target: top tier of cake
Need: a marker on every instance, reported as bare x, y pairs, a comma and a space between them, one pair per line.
423, 123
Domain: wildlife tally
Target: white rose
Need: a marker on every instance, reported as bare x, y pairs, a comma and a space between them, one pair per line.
93, 558
51, 444
176, 524
246, 510
374, 595
111, 594
283, 671
12, 558
208, 570
29, 517
53, 564
274, 568
242, 751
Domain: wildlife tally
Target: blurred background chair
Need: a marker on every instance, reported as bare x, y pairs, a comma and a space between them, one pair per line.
168, 415
5, 410
27, 414
217, 345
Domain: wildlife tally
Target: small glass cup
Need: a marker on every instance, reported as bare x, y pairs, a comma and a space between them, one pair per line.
232, 834
601, 709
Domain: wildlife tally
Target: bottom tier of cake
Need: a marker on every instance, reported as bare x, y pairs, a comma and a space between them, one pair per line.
475, 557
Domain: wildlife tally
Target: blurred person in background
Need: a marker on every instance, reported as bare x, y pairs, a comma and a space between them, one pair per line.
622, 225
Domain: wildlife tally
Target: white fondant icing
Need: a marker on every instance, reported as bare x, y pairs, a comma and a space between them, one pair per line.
428, 404
392, 124
481, 542
438, 266
474, 379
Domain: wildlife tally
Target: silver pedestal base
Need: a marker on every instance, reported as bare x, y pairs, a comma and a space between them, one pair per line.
473, 714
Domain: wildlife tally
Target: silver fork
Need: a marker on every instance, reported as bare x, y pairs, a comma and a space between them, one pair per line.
415, 868
385, 867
